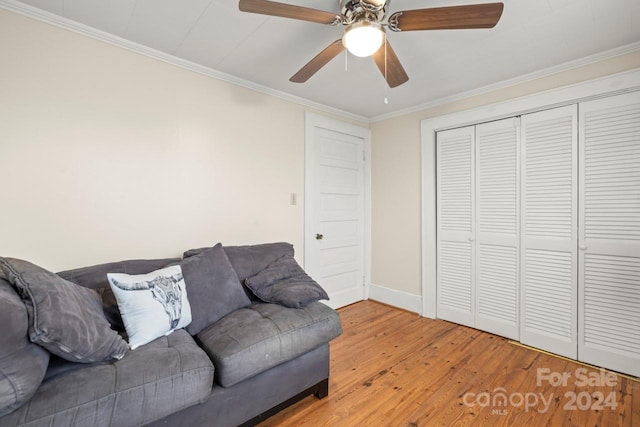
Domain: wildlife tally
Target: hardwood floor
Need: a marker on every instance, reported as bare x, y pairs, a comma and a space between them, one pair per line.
394, 368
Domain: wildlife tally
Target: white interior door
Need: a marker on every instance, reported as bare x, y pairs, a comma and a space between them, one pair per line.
609, 242
455, 224
548, 300
336, 226
497, 227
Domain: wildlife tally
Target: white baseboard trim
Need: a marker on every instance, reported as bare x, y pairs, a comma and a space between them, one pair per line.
400, 299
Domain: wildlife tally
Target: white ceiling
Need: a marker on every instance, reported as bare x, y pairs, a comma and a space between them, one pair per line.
532, 35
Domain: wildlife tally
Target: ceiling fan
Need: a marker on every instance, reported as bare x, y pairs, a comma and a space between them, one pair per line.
364, 34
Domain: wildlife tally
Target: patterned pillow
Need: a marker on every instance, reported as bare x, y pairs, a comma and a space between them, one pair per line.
151, 305
64, 318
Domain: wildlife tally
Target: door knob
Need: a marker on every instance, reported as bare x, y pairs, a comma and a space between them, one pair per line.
319, 236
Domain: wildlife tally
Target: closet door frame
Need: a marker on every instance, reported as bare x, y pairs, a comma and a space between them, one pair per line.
600, 87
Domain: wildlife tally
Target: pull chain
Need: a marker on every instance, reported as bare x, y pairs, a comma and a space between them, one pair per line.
386, 85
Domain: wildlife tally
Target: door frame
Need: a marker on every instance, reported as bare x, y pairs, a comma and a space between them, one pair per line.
311, 121
592, 89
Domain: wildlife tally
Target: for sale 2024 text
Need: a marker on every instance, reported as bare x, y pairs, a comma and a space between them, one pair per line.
594, 399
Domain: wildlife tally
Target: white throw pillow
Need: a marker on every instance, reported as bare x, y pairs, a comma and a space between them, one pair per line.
151, 305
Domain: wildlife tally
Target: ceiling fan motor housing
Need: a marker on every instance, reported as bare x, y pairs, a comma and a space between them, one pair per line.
357, 10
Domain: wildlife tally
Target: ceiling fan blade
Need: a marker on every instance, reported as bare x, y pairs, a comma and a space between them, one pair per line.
392, 70
272, 8
318, 62
484, 15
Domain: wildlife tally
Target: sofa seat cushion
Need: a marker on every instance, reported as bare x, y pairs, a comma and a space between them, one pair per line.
157, 379
252, 340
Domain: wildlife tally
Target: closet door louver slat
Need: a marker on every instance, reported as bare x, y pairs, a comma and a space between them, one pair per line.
609, 278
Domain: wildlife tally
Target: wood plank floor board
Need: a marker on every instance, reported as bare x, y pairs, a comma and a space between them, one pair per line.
633, 411
503, 361
634, 398
410, 381
393, 368
443, 403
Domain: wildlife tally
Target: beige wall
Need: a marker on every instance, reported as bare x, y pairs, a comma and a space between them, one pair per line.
108, 155
396, 174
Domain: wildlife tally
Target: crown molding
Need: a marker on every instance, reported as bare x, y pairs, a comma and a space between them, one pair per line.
566, 66
76, 27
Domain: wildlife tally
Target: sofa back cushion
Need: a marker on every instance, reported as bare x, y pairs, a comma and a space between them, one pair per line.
249, 260
213, 287
95, 277
22, 363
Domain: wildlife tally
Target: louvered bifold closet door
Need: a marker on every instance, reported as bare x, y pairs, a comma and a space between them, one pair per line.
609, 242
455, 206
548, 294
497, 226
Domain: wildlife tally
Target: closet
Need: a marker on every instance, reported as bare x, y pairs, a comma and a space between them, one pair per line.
538, 229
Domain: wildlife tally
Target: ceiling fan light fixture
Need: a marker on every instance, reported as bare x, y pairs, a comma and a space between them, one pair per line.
363, 38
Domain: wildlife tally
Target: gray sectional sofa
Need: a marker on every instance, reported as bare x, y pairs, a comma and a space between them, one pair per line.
256, 356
